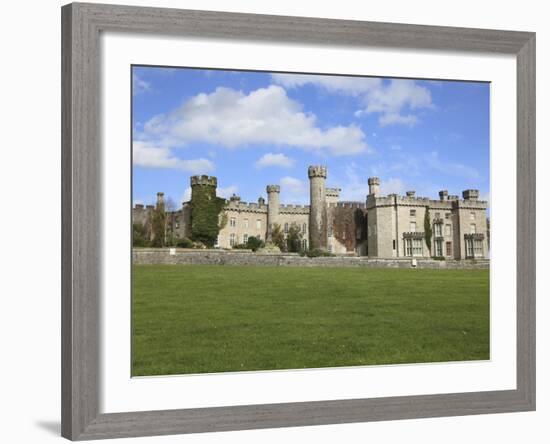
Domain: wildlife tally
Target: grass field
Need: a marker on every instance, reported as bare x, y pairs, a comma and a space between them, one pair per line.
196, 319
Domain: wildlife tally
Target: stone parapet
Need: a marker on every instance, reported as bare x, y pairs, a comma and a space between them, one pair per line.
248, 258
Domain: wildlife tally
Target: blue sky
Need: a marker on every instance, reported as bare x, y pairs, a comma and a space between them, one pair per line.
251, 129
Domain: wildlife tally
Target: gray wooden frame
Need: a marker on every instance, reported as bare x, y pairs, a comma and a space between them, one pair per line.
81, 168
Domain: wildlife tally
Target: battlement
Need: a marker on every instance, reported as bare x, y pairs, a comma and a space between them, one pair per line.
251, 207
332, 192
294, 209
350, 204
374, 181
204, 180
470, 194
273, 189
451, 202
317, 171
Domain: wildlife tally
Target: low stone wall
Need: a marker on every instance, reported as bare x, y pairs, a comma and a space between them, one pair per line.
245, 257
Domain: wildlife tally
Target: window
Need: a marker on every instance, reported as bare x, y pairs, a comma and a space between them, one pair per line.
469, 248
472, 216
413, 247
447, 215
437, 229
417, 247
245, 238
304, 228
232, 222
245, 223
177, 225
330, 248
472, 228
394, 244
304, 244
437, 215
258, 224
447, 230
217, 243
413, 227
448, 248
474, 248
330, 230
478, 248
413, 213
286, 227
232, 239
408, 247
439, 248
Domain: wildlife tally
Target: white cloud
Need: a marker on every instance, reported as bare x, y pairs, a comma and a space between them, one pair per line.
220, 192
294, 191
356, 187
186, 195
394, 118
433, 161
151, 156
349, 85
277, 160
227, 192
139, 85
393, 186
265, 116
393, 100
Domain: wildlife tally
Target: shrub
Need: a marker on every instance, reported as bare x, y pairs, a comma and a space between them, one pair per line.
184, 243
317, 252
254, 243
139, 235
438, 258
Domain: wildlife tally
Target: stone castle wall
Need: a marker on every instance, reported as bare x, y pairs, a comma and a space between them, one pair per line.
246, 258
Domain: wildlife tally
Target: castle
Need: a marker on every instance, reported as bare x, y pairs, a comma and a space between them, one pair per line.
382, 226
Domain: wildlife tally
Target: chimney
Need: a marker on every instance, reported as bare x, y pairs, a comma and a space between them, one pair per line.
374, 186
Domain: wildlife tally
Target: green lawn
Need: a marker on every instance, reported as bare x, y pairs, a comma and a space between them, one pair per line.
195, 319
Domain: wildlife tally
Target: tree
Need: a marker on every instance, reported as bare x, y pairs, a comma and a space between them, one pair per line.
294, 239
139, 235
169, 209
254, 243
158, 226
278, 237
428, 229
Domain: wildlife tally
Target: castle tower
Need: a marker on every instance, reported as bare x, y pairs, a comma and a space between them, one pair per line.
374, 186
272, 207
318, 207
470, 194
206, 183
160, 200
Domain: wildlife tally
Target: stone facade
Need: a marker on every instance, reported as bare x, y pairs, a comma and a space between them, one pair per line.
389, 226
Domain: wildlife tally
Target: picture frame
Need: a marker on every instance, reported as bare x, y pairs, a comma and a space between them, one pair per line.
81, 239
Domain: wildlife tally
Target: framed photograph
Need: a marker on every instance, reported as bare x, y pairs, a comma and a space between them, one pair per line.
278, 221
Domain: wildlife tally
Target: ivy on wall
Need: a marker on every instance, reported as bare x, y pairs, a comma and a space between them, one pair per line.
428, 229
205, 211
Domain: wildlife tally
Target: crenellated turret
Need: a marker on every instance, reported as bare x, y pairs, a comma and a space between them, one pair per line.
374, 186
273, 192
318, 207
